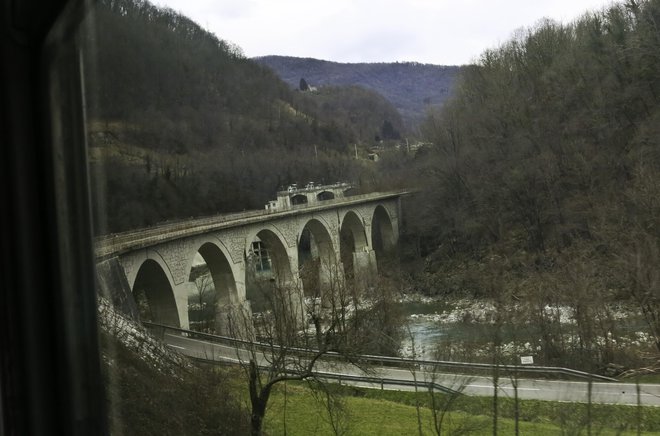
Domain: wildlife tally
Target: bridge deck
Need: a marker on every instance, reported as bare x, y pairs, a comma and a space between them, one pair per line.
110, 245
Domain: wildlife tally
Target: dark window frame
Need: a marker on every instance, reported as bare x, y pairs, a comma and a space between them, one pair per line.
50, 378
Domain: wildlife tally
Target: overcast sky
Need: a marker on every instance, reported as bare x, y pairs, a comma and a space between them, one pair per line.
444, 32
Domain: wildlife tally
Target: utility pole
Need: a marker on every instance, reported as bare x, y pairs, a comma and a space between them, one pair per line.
355, 145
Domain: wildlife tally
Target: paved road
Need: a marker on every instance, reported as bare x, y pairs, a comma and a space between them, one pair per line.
550, 390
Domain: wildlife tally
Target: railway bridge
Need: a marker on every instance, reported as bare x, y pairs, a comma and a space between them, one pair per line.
307, 237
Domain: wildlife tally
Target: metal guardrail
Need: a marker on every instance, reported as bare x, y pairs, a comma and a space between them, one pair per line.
381, 381
399, 361
108, 245
386, 381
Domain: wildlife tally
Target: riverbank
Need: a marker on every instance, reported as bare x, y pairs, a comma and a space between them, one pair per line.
477, 330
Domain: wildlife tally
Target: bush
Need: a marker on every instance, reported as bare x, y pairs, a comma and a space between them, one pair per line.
144, 401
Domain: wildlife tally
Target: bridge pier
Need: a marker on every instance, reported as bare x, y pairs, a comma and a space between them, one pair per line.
292, 290
181, 293
113, 285
230, 319
365, 267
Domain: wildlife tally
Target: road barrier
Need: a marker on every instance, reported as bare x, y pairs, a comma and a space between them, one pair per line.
406, 363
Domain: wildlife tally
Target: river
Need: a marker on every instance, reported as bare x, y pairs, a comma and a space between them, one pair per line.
465, 330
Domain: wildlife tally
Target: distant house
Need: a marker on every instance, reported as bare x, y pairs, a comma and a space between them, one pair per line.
304, 86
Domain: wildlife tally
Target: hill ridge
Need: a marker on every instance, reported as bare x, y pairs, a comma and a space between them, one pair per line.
412, 87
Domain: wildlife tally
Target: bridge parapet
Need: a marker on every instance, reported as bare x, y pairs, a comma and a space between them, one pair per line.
311, 187
109, 245
307, 196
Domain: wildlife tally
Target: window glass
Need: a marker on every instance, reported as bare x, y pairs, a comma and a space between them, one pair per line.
465, 236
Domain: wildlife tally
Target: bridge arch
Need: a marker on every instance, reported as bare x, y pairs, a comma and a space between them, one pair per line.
153, 291
299, 199
325, 195
352, 239
214, 287
267, 264
316, 256
383, 238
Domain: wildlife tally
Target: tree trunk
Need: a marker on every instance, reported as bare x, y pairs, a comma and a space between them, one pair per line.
258, 399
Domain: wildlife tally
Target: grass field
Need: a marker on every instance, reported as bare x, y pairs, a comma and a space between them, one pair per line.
295, 410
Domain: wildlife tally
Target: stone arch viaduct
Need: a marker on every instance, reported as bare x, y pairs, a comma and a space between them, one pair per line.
344, 237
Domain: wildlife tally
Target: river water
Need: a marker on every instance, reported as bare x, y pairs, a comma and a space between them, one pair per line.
426, 335
464, 330
428, 325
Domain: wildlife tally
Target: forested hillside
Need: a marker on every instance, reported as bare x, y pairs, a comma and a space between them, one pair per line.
412, 87
182, 124
543, 186
366, 116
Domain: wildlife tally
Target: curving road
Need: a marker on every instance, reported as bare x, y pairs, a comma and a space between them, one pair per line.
529, 389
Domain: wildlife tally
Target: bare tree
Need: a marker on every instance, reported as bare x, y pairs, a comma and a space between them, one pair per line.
443, 392
413, 370
644, 278
288, 340
334, 405
204, 301
443, 402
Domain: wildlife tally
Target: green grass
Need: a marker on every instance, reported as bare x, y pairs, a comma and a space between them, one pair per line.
560, 414
375, 412
646, 378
